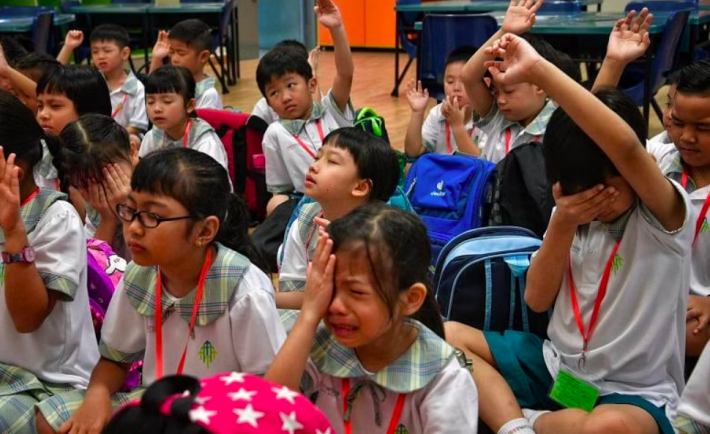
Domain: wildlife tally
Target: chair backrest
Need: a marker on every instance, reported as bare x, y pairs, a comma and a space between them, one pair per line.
662, 6
406, 21
42, 31
229, 7
66, 5
560, 6
24, 11
443, 33
130, 1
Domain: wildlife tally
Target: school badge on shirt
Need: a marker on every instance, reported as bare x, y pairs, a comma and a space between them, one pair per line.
208, 353
617, 263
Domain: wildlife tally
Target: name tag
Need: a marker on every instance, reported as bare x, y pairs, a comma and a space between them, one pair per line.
571, 391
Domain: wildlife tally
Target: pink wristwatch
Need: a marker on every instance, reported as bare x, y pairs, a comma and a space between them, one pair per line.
26, 256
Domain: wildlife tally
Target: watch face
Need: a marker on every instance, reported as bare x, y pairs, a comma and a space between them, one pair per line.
29, 254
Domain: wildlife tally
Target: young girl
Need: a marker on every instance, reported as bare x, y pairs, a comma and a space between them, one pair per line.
372, 367
170, 97
47, 341
217, 312
97, 159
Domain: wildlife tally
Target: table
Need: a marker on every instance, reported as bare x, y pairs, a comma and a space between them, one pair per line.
24, 24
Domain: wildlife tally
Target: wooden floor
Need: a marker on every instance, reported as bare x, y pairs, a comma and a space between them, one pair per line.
374, 79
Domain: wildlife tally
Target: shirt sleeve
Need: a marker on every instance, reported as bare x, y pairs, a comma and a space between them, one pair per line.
491, 122
430, 129
123, 334
210, 99
147, 145
277, 177
262, 110
343, 119
292, 275
211, 145
257, 332
679, 240
137, 114
60, 249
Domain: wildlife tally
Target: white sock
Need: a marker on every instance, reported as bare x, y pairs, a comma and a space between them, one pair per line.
517, 426
532, 415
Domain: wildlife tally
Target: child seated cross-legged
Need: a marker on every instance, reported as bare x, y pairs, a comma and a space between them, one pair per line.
615, 264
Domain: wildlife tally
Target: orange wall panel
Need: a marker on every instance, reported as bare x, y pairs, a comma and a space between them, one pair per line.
354, 18
379, 23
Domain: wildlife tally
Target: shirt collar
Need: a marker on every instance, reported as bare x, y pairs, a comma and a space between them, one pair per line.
675, 172
617, 228
32, 212
199, 127
538, 125
203, 86
296, 126
412, 371
221, 282
129, 86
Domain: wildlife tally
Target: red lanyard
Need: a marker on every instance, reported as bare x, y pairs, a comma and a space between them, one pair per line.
29, 198
303, 144
396, 415
508, 137
597, 304
159, 318
120, 107
703, 211
448, 136
185, 135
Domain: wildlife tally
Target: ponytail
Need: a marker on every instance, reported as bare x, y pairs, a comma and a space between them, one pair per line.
234, 232
56, 150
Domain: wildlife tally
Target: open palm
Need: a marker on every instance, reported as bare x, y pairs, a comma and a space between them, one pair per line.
630, 39
520, 16
519, 60
328, 14
9, 192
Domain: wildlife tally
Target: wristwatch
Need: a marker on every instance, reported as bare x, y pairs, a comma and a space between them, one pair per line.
26, 256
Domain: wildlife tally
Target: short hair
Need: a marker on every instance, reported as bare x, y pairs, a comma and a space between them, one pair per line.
13, 49
193, 32
84, 86
572, 158
277, 63
168, 79
460, 54
36, 65
111, 33
694, 79
293, 45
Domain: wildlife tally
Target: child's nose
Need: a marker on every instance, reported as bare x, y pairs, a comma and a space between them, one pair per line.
337, 307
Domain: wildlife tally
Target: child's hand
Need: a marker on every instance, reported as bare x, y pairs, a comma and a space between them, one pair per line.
328, 14
418, 98
4, 66
95, 196
519, 60
323, 223
319, 283
74, 38
91, 417
630, 39
520, 16
313, 57
161, 49
698, 309
9, 194
117, 185
581, 208
454, 114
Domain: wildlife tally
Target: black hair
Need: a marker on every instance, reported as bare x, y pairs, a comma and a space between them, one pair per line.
13, 49
398, 249
88, 145
564, 63
111, 33
202, 186
169, 79
194, 33
375, 159
292, 44
84, 86
277, 63
571, 156
694, 79
20, 134
460, 54
36, 65
146, 418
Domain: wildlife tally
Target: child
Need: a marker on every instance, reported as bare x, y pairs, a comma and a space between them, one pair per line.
188, 45
450, 122
620, 234
352, 168
170, 97
182, 226
367, 293
510, 115
217, 406
97, 159
47, 341
33, 66
694, 408
72, 41
286, 81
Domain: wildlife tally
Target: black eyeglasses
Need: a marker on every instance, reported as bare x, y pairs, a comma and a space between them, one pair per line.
145, 218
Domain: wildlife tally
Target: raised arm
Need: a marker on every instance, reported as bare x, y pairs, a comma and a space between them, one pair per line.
616, 139
161, 49
73, 39
20, 82
329, 15
418, 98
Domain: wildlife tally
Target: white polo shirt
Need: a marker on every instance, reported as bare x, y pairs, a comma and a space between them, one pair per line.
128, 104
638, 343
207, 95
64, 349
286, 159
435, 133
695, 402
263, 110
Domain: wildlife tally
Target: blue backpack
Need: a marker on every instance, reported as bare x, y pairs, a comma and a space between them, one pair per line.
480, 280
448, 193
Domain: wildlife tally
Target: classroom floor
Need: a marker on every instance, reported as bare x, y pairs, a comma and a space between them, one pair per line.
374, 79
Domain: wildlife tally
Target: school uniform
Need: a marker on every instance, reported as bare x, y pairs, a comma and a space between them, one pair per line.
694, 408
438, 136
290, 146
200, 137
503, 135
44, 172
128, 104
659, 144
638, 343
263, 110
237, 326
438, 393
207, 95
61, 354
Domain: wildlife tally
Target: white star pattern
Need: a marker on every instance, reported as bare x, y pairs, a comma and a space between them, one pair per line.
234, 377
327, 431
202, 400
242, 394
201, 415
248, 415
290, 422
285, 393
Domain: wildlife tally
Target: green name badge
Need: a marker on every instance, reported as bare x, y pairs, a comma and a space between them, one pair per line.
572, 392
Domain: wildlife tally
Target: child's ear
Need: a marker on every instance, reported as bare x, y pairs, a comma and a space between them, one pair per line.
539, 91
312, 85
191, 105
204, 56
207, 231
125, 53
412, 299
135, 146
362, 189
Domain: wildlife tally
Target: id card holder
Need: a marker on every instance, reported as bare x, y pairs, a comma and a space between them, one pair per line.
571, 390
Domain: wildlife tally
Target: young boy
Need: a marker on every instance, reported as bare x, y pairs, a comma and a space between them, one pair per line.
188, 45
286, 80
615, 264
449, 126
509, 115
22, 79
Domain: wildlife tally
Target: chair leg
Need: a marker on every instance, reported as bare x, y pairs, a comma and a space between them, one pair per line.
657, 109
220, 77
